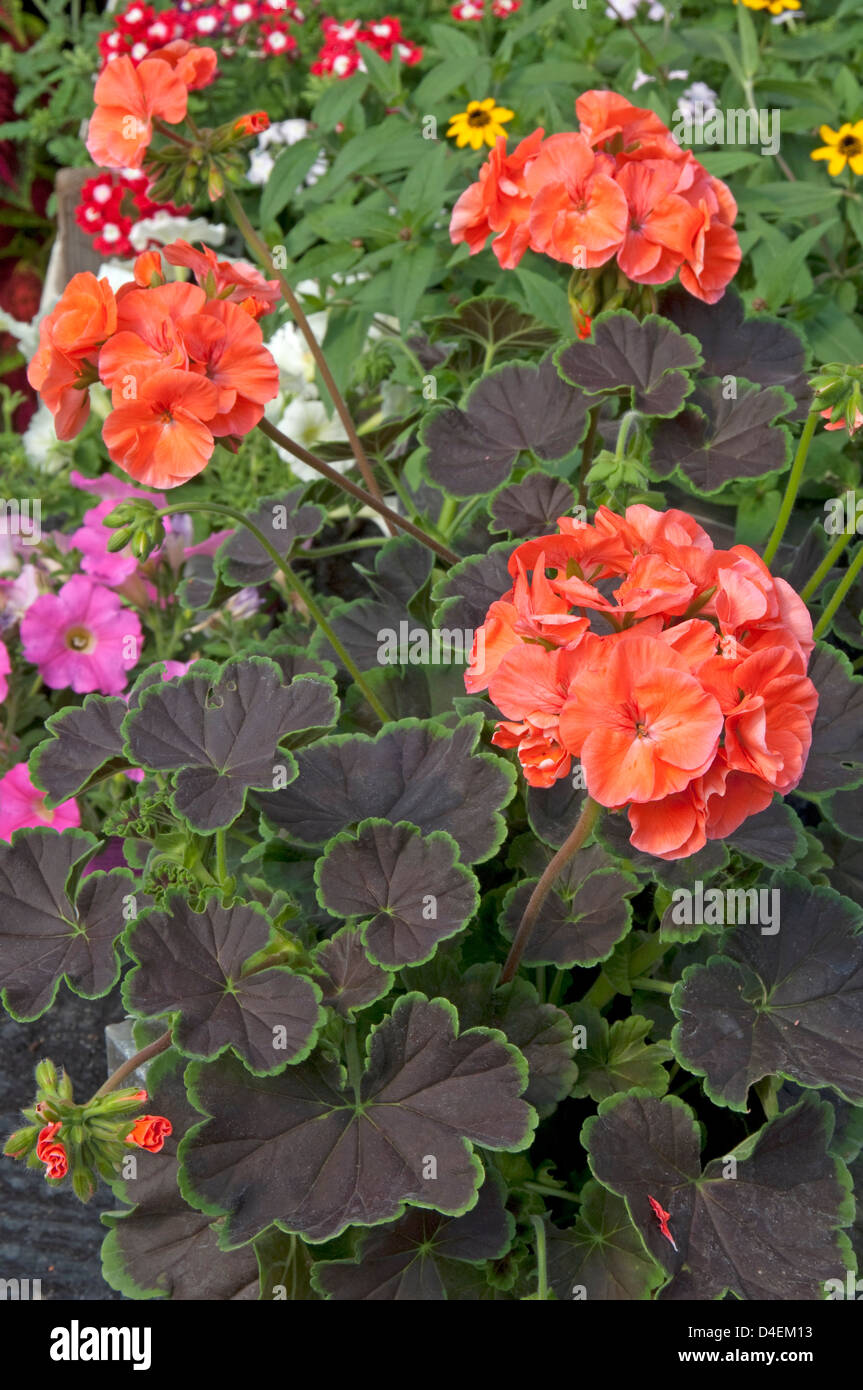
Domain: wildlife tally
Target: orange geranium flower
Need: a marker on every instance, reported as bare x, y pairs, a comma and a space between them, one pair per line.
642, 725
579, 213
498, 203
128, 99
621, 186
227, 347
237, 281
148, 338
676, 673
195, 67
162, 438
64, 365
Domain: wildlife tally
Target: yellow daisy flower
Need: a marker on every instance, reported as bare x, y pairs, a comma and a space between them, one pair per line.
481, 124
841, 147
773, 6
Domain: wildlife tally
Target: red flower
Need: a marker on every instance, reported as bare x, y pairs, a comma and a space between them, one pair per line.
150, 1132
52, 1154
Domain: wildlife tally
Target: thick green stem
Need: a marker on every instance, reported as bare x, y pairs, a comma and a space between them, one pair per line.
813, 584
347, 486
541, 1265
792, 488
260, 248
548, 1191
222, 857
571, 845
299, 589
152, 1050
841, 590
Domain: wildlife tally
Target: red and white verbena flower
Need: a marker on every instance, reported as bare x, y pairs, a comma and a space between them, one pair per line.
675, 673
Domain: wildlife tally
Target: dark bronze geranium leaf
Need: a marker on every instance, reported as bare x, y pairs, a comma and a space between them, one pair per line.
302, 1150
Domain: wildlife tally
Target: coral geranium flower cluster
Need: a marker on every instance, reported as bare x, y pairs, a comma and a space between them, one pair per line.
185, 363
130, 98
621, 186
675, 673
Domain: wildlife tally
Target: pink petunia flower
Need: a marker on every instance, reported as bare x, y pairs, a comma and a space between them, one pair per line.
22, 806
82, 638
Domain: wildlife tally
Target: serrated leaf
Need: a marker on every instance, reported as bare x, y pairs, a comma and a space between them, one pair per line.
241, 559
580, 921
486, 328
768, 1233
651, 357
300, 1150
191, 964
787, 1002
601, 1257
512, 409
835, 759
617, 1056
719, 438
531, 507
761, 349
414, 770
218, 729
411, 889
540, 1031
468, 590
348, 979
46, 935
162, 1247
412, 1258
85, 740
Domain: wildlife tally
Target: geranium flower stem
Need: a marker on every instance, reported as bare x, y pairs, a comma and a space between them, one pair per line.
825, 567
841, 590
792, 488
299, 589
571, 845
151, 1050
259, 247
541, 1268
347, 486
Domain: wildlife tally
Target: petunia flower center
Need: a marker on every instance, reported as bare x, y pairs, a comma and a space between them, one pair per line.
479, 118
850, 145
80, 639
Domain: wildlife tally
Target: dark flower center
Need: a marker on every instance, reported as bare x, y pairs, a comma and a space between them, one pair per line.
478, 118
850, 145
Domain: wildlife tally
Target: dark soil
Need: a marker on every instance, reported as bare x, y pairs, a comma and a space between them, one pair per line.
46, 1233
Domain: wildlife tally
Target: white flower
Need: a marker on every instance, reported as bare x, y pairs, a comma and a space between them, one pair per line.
697, 102
166, 227
640, 79
628, 9
282, 133
44, 450
260, 167
293, 356
117, 273
308, 423
26, 333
